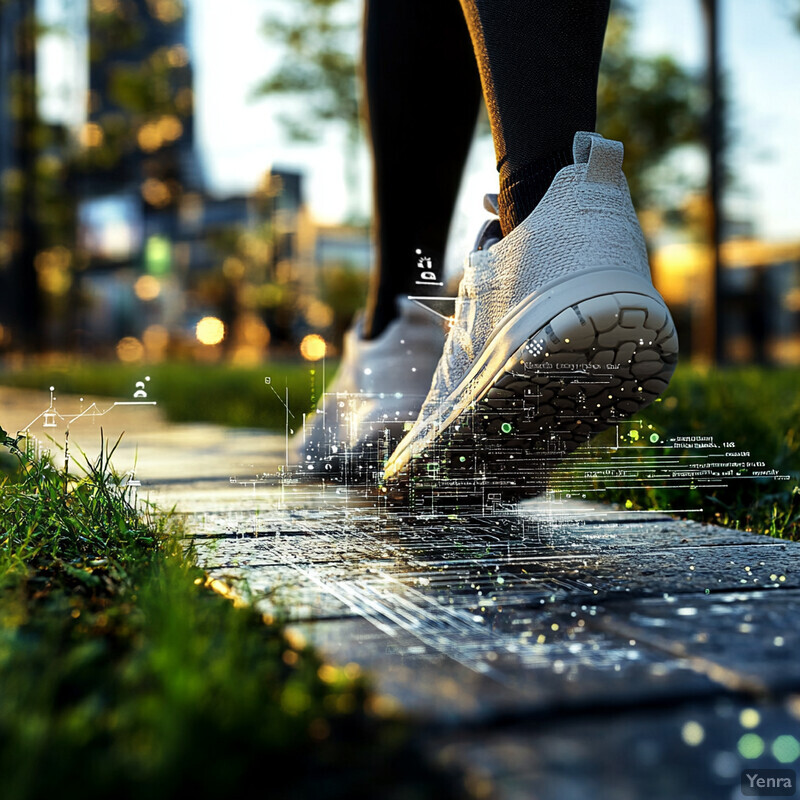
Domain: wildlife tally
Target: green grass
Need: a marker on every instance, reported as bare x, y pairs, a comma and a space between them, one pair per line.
123, 675
757, 409
187, 392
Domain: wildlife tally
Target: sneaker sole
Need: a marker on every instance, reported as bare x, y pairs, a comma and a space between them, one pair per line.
600, 360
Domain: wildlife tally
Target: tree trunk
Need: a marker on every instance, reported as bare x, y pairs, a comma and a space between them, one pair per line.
27, 326
714, 144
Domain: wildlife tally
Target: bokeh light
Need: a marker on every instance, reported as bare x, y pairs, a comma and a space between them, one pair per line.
233, 268
166, 11
749, 718
693, 733
156, 340
147, 287
91, 135
156, 192
53, 270
313, 347
210, 331
252, 330
170, 128
319, 314
751, 745
130, 349
786, 749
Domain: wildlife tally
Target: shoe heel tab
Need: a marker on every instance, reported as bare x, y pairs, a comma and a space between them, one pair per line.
603, 157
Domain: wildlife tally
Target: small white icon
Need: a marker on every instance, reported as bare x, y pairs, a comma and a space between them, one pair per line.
140, 393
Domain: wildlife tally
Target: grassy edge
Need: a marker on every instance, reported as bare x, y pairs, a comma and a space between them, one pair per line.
123, 672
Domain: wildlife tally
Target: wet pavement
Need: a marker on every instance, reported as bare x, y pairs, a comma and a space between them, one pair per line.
557, 650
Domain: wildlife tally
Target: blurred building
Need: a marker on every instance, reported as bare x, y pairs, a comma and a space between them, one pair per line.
337, 245
159, 251
138, 159
760, 297
16, 67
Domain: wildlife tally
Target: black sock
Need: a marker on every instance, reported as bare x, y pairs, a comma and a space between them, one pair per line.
523, 188
422, 93
538, 62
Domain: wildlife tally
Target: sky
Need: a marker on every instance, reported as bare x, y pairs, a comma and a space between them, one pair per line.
239, 137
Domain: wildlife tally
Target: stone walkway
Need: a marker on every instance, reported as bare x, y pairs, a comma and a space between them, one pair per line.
559, 651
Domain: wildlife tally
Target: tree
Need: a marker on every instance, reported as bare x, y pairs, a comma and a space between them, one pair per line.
650, 103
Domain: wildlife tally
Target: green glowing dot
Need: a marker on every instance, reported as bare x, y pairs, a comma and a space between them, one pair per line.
462, 459
506, 427
786, 749
654, 437
629, 504
751, 745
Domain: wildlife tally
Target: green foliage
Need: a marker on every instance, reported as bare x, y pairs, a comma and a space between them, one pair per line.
320, 42
759, 410
345, 290
56, 524
650, 103
124, 676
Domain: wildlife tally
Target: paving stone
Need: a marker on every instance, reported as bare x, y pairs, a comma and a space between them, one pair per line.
534, 611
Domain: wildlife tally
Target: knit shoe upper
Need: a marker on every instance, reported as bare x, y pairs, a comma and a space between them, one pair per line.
582, 240
585, 221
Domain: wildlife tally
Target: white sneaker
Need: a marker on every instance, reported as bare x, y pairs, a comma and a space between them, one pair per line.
558, 332
378, 391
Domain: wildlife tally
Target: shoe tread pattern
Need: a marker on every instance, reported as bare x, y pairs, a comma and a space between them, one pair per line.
596, 363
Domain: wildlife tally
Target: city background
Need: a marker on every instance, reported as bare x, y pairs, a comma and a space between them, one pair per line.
187, 180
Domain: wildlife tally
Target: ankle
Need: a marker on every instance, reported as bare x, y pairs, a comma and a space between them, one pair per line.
378, 318
522, 188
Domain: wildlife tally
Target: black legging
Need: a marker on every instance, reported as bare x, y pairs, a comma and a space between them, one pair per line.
538, 62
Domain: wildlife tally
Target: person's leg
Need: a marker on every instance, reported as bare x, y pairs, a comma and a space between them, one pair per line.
538, 62
422, 94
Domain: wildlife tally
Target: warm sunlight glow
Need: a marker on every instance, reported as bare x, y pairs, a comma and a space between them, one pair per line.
313, 347
210, 330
